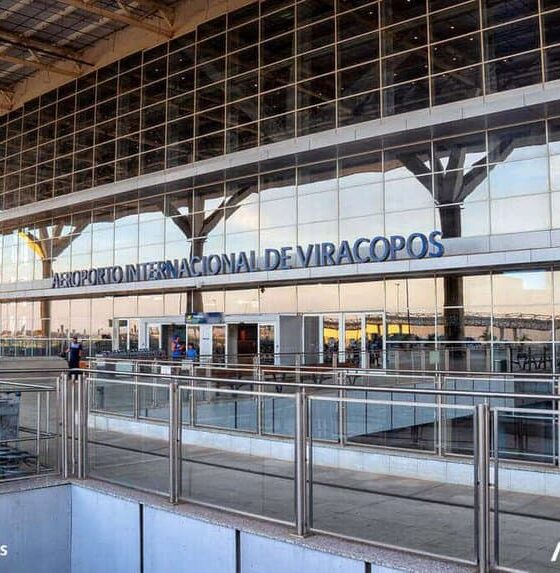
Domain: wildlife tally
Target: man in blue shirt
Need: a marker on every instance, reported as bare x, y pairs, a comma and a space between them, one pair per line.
192, 354
74, 353
176, 348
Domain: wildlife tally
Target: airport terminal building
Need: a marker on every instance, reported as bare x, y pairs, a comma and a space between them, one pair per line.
373, 181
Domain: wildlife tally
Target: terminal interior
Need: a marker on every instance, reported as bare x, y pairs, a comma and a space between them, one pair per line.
274, 339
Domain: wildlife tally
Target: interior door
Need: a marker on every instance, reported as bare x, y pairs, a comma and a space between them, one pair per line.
122, 334
331, 337
311, 340
219, 337
353, 339
154, 337
266, 343
375, 341
247, 342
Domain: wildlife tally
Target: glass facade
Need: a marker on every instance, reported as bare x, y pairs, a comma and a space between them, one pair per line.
268, 72
487, 321
494, 182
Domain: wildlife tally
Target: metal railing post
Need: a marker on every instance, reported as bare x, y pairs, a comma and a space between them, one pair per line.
258, 387
82, 424
72, 422
64, 425
38, 433
482, 486
438, 382
136, 398
78, 421
48, 423
556, 390
192, 402
496, 436
342, 380
301, 461
174, 442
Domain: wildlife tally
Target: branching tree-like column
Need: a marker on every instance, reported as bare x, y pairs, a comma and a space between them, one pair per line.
450, 187
198, 224
39, 242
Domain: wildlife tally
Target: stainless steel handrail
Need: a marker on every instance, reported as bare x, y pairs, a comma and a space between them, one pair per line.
426, 391
327, 367
303, 444
74, 435
36, 429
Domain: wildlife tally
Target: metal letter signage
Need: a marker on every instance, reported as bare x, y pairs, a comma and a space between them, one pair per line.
362, 250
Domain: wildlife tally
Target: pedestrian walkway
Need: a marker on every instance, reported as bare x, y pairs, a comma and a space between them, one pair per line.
416, 514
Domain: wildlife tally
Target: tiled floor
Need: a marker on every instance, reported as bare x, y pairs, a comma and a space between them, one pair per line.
417, 514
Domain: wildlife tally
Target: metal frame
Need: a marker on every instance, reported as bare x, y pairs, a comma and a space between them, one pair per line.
381, 57
302, 442
362, 316
74, 400
39, 434
123, 16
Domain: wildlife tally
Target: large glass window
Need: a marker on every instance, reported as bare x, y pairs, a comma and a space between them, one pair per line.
268, 77
496, 182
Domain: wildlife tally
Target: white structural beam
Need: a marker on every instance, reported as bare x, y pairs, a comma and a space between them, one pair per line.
38, 65
166, 12
31, 43
119, 16
6, 99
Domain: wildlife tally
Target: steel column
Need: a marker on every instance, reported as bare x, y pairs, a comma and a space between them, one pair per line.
439, 380
174, 442
301, 459
496, 555
64, 428
259, 389
82, 424
482, 486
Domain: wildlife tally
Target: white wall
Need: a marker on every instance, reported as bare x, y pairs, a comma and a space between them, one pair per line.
71, 528
105, 533
35, 525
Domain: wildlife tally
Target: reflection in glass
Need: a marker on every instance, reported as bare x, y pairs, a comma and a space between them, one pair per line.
529, 213
457, 85
266, 343
522, 288
513, 72
511, 39
218, 343
352, 339
331, 337
359, 108
517, 142
519, 178
154, 337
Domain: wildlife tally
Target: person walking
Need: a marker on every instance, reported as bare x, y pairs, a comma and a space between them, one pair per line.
74, 354
176, 348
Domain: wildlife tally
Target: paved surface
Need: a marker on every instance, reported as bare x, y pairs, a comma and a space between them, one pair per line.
422, 515
417, 514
